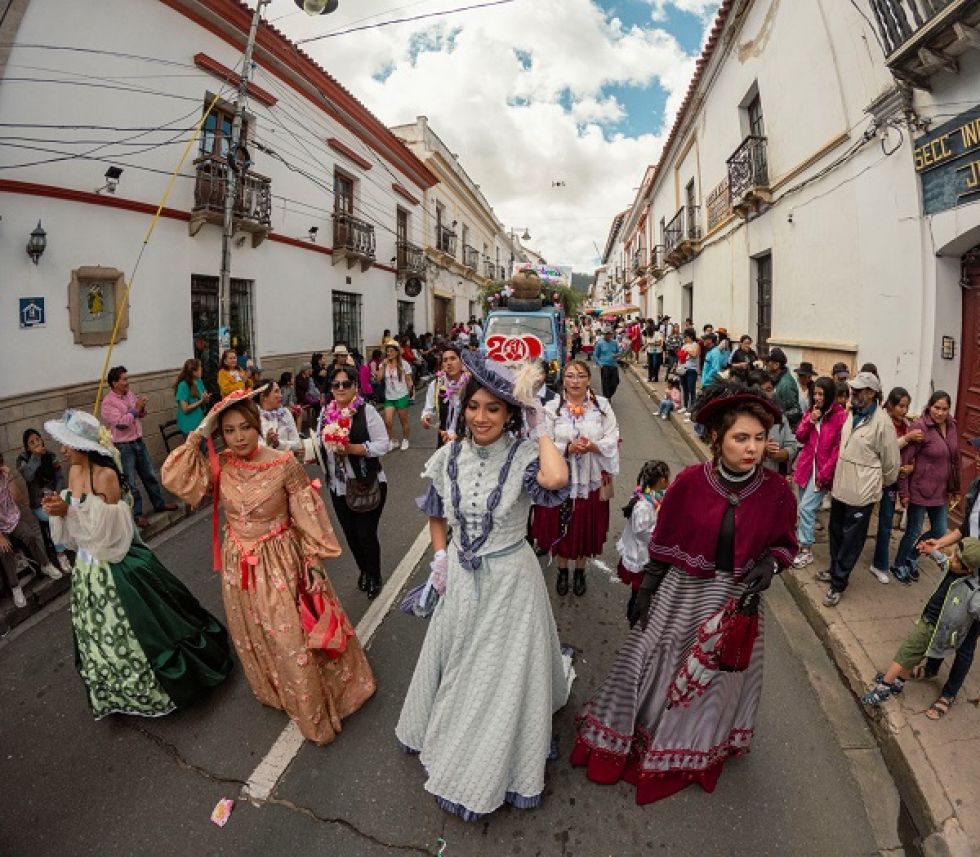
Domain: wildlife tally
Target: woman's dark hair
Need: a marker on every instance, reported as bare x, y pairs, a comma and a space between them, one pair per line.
115, 373
264, 389
285, 379
246, 408
187, 374
515, 419
97, 459
224, 354
841, 389
869, 367
28, 433
691, 333
757, 377
46, 472
315, 361
829, 388
377, 354
581, 364
895, 397
937, 396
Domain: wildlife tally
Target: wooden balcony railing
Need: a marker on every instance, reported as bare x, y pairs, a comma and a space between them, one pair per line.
446, 240
253, 199
471, 258
748, 174
410, 260
353, 240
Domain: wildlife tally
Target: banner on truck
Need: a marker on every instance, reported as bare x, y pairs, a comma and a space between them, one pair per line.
556, 275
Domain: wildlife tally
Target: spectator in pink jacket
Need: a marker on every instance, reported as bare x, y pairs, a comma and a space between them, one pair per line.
819, 436
933, 482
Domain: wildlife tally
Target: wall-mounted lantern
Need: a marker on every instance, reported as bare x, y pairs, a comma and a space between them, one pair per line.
37, 243
318, 7
948, 348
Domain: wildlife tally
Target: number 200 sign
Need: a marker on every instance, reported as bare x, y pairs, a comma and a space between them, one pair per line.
514, 349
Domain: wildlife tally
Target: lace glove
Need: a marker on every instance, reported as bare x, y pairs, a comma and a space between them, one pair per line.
639, 612
439, 570
759, 578
535, 420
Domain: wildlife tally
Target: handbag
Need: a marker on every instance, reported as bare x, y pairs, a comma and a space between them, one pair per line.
607, 488
325, 624
363, 494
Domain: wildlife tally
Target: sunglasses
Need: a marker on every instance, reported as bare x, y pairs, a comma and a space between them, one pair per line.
341, 385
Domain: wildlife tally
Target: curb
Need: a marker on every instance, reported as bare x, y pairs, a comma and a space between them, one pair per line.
917, 781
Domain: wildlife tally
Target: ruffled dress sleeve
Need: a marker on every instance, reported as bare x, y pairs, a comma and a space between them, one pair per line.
432, 503
609, 442
527, 463
186, 472
103, 529
308, 516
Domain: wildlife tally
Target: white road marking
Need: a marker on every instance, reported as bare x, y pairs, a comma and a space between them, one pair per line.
262, 781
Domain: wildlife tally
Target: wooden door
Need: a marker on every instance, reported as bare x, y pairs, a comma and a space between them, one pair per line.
440, 322
968, 394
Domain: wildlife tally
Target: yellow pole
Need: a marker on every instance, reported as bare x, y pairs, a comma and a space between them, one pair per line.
146, 240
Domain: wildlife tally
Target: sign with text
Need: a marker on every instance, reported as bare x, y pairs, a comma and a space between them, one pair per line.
947, 160
31, 312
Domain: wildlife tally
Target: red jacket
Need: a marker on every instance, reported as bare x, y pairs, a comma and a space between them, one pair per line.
933, 458
820, 442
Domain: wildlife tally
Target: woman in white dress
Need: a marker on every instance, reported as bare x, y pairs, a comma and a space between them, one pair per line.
491, 672
278, 426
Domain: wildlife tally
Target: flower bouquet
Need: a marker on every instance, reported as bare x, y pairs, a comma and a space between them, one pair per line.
335, 431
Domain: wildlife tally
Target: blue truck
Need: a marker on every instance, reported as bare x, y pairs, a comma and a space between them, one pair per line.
530, 317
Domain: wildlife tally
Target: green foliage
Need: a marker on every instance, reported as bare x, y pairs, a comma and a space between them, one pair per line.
492, 297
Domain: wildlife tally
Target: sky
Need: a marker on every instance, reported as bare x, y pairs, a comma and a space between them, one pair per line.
528, 93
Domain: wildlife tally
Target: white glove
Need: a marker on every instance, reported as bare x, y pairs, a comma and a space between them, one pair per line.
439, 568
535, 418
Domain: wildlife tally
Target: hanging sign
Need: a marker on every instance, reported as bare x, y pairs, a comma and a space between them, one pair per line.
31, 312
947, 160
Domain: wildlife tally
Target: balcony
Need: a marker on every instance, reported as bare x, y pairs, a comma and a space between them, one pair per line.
353, 240
682, 236
501, 272
638, 264
471, 258
658, 265
409, 260
253, 199
748, 176
490, 270
922, 37
446, 241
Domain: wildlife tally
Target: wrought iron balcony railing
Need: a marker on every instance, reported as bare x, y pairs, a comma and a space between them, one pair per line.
446, 240
657, 263
471, 258
748, 169
490, 270
639, 262
682, 234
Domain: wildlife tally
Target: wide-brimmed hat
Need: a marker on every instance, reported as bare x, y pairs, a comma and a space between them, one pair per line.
234, 398
81, 431
391, 343
340, 351
865, 381
722, 396
805, 368
492, 376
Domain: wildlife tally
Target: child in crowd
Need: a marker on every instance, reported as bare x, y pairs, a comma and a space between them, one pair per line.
843, 394
939, 630
641, 514
672, 398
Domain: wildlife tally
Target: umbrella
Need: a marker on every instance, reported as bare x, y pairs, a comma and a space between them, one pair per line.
723, 643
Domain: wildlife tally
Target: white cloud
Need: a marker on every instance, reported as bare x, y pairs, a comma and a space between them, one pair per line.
702, 8
493, 84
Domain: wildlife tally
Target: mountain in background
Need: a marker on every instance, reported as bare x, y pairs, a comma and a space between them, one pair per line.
582, 283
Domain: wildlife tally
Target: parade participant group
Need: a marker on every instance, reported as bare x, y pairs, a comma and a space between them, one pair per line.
518, 491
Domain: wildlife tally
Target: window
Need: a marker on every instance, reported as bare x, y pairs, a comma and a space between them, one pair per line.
406, 316
204, 323
401, 225
687, 301
757, 126
347, 319
216, 133
763, 301
343, 193
440, 218
691, 194
466, 236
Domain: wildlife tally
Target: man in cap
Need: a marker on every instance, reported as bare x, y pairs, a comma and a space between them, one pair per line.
787, 394
841, 372
869, 459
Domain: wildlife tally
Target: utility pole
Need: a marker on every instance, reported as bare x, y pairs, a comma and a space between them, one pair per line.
232, 178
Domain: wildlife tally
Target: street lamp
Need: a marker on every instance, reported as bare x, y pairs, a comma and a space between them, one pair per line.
318, 7
37, 243
525, 237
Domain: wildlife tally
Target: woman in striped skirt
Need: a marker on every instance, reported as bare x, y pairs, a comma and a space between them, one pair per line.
725, 527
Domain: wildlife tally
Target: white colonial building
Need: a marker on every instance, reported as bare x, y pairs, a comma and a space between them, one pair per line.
786, 202
466, 246
98, 101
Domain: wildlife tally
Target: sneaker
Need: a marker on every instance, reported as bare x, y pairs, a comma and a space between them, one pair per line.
879, 575
803, 558
914, 573
901, 575
824, 576
832, 598
64, 563
19, 598
881, 691
405, 443
22, 563
51, 571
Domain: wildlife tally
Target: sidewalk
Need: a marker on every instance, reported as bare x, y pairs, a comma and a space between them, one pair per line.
936, 765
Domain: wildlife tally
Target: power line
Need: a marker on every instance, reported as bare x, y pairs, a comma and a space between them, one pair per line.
404, 20
96, 51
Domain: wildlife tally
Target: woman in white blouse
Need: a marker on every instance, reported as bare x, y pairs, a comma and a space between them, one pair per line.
278, 426
584, 428
353, 437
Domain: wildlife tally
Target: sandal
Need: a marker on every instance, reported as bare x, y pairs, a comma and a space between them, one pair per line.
937, 711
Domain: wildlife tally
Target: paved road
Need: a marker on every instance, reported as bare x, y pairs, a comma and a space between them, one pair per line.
127, 786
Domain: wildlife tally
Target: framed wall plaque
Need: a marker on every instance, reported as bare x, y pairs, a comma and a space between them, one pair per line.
95, 298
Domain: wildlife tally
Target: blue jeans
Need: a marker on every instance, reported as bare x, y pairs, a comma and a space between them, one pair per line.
810, 501
907, 556
654, 362
886, 515
666, 406
689, 387
42, 516
136, 460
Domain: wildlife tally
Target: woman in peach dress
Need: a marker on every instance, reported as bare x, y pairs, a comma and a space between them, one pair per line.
276, 531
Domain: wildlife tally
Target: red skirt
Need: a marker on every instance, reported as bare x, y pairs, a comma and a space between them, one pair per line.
586, 532
632, 579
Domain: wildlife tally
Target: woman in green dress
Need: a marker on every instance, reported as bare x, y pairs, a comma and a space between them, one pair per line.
143, 643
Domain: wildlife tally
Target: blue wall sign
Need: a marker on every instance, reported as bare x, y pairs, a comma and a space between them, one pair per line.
947, 160
31, 312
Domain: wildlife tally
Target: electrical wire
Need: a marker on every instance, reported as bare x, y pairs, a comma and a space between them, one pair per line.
95, 51
404, 20
74, 82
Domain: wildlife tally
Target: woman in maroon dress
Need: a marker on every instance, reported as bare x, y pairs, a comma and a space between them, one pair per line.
725, 528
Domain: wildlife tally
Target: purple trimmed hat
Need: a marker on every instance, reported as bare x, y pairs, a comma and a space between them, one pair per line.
721, 396
492, 376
